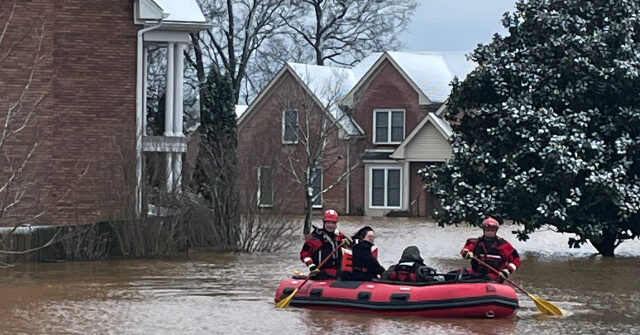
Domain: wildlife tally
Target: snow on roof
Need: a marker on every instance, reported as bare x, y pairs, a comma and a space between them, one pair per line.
329, 84
240, 109
444, 125
365, 64
432, 72
181, 10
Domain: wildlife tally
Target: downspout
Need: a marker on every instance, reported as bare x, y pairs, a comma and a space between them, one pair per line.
348, 174
140, 113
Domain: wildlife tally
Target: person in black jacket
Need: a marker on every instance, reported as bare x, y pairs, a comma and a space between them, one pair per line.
410, 268
365, 265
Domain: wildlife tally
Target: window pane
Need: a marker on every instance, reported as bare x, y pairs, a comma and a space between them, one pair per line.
317, 186
382, 124
377, 187
266, 186
393, 188
290, 125
397, 126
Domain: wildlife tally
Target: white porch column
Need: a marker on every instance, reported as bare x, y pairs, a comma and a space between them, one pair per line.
145, 55
406, 185
179, 89
169, 94
177, 171
169, 171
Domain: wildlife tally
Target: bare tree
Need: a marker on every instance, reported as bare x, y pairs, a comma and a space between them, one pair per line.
345, 31
19, 106
317, 128
23, 82
240, 27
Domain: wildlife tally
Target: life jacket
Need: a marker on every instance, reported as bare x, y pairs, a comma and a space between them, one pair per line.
347, 258
405, 271
329, 243
488, 252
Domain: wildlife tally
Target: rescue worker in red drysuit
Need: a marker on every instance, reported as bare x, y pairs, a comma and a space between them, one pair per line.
364, 264
493, 250
319, 245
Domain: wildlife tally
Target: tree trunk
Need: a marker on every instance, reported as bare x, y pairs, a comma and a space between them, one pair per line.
607, 244
308, 215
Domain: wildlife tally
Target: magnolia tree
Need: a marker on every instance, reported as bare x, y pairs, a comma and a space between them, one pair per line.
547, 127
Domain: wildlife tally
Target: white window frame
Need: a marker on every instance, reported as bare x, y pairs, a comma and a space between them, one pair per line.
284, 126
259, 198
389, 126
319, 205
386, 186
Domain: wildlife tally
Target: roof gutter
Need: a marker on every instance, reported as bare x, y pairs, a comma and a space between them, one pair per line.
140, 113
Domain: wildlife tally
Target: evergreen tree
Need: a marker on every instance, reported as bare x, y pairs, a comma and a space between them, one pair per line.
547, 127
215, 175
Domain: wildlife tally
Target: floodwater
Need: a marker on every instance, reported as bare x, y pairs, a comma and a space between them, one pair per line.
232, 293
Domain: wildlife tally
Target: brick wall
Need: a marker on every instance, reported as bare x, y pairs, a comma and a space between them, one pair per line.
385, 89
95, 69
87, 120
260, 143
25, 52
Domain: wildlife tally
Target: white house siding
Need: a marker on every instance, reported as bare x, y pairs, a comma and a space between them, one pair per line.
428, 145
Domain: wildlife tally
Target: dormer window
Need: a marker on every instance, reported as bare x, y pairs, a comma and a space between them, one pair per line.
290, 126
388, 126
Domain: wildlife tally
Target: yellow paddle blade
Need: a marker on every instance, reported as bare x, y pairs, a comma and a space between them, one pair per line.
544, 306
286, 300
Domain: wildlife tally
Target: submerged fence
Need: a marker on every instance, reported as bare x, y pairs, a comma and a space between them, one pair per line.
28, 238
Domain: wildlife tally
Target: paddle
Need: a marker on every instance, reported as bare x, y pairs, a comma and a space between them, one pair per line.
287, 300
544, 306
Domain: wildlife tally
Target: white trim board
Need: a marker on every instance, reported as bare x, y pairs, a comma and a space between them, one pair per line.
431, 117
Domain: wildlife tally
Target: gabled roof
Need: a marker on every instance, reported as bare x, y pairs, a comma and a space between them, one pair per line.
182, 14
429, 73
181, 10
329, 84
325, 84
441, 125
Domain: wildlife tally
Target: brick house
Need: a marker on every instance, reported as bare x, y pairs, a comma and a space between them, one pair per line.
90, 81
389, 125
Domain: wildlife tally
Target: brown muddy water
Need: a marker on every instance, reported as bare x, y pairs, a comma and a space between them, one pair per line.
232, 293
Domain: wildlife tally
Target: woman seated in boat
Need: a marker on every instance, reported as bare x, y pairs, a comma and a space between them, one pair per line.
410, 268
360, 262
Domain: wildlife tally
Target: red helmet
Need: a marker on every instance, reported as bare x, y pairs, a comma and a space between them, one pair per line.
490, 222
330, 215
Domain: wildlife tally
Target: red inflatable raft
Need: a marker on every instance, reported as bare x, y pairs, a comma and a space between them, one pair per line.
448, 300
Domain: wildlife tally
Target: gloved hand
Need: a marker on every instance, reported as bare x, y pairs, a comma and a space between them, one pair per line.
504, 273
313, 270
468, 255
345, 242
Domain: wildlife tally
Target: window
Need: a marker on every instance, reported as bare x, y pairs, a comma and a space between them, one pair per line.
317, 187
388, 126
385, 187
265, 187
290, 126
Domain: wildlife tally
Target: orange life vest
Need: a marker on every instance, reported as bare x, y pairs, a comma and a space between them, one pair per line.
347, 258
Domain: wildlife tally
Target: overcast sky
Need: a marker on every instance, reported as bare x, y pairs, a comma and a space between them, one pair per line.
454, 25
